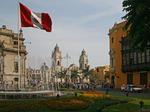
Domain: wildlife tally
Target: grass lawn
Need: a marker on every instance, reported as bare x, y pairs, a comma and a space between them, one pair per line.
83, 102
131, 106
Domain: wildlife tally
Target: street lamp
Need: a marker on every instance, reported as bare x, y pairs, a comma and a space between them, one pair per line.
27, 42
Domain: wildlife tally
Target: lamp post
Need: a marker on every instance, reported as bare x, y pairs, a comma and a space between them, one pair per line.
25, 70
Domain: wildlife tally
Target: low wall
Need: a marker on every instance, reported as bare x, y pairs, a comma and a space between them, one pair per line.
27, 95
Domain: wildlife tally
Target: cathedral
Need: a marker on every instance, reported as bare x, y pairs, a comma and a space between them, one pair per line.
57, 65
47, 76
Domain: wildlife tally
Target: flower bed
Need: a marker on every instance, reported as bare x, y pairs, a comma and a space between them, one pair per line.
92, 94
46, 105
86, 102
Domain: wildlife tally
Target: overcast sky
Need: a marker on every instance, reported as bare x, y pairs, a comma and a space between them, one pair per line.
77, 25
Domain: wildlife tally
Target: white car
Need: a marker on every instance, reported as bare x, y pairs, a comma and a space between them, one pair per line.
131, 88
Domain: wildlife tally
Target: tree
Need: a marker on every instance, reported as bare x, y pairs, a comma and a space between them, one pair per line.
62, 74
74, 75
86, 72
138, 22
94, 77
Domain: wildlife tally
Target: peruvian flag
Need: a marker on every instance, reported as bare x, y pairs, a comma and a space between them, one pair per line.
34, 19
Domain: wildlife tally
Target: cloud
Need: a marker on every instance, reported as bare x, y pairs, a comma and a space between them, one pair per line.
97, 16
77, 24
71, 40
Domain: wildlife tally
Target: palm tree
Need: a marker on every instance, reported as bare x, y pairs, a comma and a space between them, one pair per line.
94, 77
86, 73
74, 75
138, 22
62, 74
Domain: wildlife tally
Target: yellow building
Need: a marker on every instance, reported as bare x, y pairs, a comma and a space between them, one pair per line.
101, 71
127, 66
9, 64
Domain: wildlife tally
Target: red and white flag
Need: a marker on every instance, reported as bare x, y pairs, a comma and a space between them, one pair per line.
34, 19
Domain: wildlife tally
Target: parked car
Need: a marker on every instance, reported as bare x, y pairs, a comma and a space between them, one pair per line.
131, 88
134, 88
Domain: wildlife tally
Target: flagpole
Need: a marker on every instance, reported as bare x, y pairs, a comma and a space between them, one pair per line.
19, 74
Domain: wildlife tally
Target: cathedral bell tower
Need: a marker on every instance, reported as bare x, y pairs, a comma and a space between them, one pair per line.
56, 59
83, 61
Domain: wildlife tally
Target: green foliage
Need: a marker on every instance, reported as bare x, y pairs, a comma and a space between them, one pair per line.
94, 77
100, 104
74, 75
65, 89
61, 74
87, 72
112, 104
138, 22
132, 106
91, 74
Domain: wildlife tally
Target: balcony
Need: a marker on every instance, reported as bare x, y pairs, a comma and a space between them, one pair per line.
136, 68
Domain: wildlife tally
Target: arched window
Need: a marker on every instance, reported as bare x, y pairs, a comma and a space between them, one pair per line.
58, 63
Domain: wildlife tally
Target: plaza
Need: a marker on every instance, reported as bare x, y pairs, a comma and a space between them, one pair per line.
75, 56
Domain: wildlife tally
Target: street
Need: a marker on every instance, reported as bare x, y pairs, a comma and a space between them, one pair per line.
144, 94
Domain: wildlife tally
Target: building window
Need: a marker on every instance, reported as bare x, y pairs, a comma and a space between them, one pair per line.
112, 40
127, 59
135, 58
58, 63
129, 78
139, 58
97, 70
15, 66
127, 46
143, 57
148, 55
33, 76
15, 42
124, 59
143, 78
131, 59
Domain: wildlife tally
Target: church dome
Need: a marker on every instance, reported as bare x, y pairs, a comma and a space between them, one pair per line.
44, 66
73, 67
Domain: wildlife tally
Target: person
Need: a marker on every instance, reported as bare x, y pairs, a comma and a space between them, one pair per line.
107, 89
126, 89
76, 86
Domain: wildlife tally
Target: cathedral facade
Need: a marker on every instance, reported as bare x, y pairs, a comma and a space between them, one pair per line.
57, 66
56, 60
50, 77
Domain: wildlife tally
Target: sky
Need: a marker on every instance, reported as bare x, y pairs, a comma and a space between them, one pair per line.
76, 25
